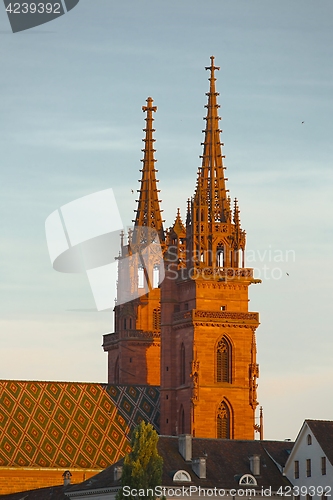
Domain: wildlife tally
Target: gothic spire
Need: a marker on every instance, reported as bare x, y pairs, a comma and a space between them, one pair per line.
211, 192
148, 213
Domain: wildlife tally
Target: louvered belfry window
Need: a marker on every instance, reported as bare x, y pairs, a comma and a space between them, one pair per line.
157, 319
223, 361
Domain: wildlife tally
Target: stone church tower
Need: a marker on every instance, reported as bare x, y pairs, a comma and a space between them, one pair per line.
134, 347
208, 349
181, 319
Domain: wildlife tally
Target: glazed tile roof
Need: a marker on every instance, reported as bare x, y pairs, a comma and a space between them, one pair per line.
323, 432
70, 425
226, 462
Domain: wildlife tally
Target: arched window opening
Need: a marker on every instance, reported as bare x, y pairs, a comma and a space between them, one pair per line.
223, 421
116, 372
240, 258
248, 479
220, 255
309, 439
156, 276
156, 319
141, 277
125, 323
223, 361
181, 475
181, 420
182, 364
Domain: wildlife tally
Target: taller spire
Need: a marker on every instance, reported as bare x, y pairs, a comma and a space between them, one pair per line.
214, 238
148, 213
211, 192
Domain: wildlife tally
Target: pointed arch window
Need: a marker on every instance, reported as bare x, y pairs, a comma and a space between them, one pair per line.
156, 276
116, 372
182, 364
141, 277
223, 360
157, 319
220, 255
223, 421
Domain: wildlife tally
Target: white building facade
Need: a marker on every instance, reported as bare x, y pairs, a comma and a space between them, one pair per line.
309, 467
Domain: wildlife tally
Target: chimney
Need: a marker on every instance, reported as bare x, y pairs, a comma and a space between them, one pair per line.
67, 477
117, 472
185, 446
255, 465
199, 467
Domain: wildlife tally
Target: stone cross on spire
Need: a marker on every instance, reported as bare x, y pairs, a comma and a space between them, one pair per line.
148, 213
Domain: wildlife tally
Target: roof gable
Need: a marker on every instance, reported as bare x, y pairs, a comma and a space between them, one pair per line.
323, 432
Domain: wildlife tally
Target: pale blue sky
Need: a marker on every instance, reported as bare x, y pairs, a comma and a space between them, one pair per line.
71, 124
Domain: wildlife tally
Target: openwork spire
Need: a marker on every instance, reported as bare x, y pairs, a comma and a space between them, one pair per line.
211, 192
148, 213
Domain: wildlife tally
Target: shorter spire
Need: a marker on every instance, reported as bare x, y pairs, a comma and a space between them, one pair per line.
148, 213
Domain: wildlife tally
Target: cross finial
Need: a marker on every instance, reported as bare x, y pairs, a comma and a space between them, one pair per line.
212, 68
149, 106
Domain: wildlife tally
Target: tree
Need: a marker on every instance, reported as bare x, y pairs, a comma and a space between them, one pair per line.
142, 469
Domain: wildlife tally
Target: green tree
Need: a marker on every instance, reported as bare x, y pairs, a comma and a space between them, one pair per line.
142, 469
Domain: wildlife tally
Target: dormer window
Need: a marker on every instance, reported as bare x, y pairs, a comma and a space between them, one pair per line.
248, 479
181, 476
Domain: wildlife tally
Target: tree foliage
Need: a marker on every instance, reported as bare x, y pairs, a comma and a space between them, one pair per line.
142, 469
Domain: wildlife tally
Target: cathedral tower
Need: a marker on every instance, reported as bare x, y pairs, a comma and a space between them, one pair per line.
208, 345
134, 347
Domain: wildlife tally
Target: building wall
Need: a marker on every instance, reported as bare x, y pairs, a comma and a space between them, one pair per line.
14, 480
302, 452
208, 310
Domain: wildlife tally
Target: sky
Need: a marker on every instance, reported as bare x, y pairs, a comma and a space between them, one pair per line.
71, 125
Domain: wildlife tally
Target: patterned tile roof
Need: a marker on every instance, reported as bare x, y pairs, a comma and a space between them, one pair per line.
70, 425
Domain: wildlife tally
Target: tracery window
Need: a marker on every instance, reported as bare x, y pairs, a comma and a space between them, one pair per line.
223, 360
223, 421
